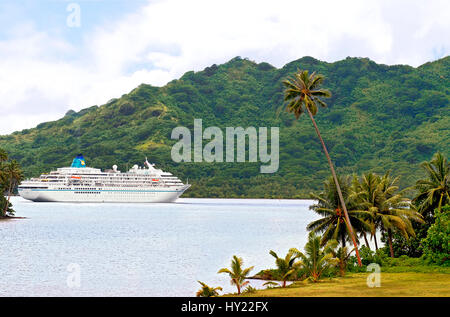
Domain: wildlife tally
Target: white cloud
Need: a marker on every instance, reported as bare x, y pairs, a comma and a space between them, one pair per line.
44, 75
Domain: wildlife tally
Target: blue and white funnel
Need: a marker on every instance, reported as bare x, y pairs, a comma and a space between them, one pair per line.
79, 161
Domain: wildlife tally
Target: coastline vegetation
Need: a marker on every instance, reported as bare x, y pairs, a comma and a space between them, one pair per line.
237, 273
375, 204
10, 176
206, 291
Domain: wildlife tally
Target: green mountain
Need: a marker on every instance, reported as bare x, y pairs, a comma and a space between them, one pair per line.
380, 117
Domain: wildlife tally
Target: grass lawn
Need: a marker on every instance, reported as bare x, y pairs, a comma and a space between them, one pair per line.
406, 284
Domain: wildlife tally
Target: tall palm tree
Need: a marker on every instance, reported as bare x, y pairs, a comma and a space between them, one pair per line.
237, 274
434, 190
303, 93
12, 176
207, 291
316, 260
286, 266
328, 205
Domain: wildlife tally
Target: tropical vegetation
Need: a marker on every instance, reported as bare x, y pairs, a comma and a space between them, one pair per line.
327, 204
342, 254
237, 273
436, 245
286, 266
316, 260
389, 210
10, 176
430, 193
207, 291
376, 205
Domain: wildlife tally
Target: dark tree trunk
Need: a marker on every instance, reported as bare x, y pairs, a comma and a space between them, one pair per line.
341, 198
375, 239
7, 201
389, 232
365, 239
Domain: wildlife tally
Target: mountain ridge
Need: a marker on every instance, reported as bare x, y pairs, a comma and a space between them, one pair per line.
380, 117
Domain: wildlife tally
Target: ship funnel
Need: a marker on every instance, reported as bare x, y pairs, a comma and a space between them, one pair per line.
79, 161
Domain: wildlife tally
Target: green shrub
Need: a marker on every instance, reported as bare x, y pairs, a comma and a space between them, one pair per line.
436, 244
368, 256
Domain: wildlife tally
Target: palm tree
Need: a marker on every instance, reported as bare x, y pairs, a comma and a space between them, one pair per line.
329, 207
365, 193
316, 259
434, 190
271, 284
395, 211
207, 291
12, 176
303, 93
342, 254
286, 266
237, 274
390, 210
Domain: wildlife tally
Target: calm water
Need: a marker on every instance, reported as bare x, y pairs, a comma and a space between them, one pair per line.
143, 249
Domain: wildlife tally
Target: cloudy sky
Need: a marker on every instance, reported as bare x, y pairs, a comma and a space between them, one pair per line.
57, 55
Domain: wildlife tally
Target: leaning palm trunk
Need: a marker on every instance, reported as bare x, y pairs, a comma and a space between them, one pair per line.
341, 198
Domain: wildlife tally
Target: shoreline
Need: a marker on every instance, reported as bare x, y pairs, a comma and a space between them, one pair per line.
11, 218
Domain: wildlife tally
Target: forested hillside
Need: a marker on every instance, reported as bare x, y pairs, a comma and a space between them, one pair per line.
379, 117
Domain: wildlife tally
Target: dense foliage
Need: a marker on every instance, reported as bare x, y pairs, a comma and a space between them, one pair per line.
374, 205
436, 245
379, 118
431, 193
10, 176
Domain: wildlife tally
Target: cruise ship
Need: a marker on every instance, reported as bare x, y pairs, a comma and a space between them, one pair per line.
79, 183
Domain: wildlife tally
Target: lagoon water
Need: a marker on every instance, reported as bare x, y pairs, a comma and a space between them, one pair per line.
143, 249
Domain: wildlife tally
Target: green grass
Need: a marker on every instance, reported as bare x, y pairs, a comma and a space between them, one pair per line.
407, 284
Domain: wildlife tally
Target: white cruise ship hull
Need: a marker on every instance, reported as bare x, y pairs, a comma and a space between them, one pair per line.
157, 195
